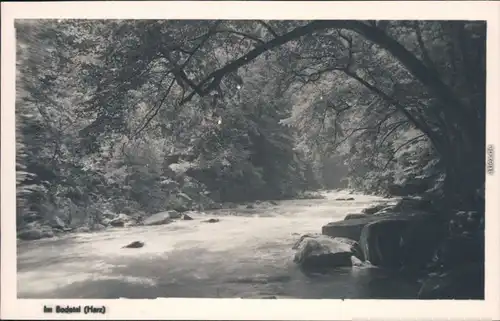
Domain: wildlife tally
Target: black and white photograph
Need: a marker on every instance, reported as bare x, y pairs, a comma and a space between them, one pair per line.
250, 159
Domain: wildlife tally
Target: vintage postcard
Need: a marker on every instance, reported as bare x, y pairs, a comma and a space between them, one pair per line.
250, 160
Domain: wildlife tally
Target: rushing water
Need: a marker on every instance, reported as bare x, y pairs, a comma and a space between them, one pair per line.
247, 254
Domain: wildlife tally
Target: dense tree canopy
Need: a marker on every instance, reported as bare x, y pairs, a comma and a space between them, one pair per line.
144, 115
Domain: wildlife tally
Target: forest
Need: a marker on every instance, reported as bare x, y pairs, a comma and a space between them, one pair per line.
119, 121
139, 116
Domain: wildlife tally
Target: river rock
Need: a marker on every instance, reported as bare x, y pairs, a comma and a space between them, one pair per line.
419, 241
82, 229
35, 231
464, 282
374, 209
211, 220
380, 242
174, 214
350, 229
299, 241
345, 199
120, 220
186, 217
250, 206
413, 204
386, 211
134, 245
106, 221
161, 218
353, 216
322, 252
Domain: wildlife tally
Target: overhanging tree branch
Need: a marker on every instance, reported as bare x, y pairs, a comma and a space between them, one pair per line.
425, 75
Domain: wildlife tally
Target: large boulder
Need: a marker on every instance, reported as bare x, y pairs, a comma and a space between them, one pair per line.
350, 229
345, 199
352, 226
162, 218
320, 252
35, 231
374, 209
352, 216
120, 221
380, 242
134, 245
186, 217
464, 282
412, 204
419, 241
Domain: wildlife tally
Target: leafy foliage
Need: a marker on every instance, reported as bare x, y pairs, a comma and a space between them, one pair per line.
143, 116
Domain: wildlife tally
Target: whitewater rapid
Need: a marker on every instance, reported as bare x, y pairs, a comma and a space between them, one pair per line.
248, 254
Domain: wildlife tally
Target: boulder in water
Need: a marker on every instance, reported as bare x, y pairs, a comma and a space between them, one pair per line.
161, 218
82, 229
419, 241
211, 220
120, 220
106, 221
174, 214
387, 211
345, 199
134, 245
381, 242
322, 252
97, 227
250, 206
299, 241
273, 202
35, 231
186, 217
353, 216
348, 228
374, 209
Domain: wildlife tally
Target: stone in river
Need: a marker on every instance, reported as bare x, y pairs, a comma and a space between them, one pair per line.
161, 218
319, 253
352, 216
134, 245
348, 228
186, 217
381, 242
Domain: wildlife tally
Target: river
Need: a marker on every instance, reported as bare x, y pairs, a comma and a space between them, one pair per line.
247, 254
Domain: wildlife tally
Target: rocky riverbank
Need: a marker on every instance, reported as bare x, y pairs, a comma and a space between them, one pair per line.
39, 228
399, 236
447, 257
